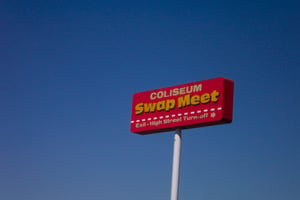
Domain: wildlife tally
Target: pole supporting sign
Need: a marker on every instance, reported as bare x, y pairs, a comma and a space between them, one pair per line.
197, 104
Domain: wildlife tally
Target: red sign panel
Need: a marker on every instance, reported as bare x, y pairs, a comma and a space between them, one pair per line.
196, 104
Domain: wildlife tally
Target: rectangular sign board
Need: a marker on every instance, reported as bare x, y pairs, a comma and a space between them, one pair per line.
190, 105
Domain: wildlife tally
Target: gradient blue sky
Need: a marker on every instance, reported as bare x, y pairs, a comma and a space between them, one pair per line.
68, 73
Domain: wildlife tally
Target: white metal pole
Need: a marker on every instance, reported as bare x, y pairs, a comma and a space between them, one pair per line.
176, 165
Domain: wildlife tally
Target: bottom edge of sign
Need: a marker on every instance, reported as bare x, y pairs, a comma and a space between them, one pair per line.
223, 121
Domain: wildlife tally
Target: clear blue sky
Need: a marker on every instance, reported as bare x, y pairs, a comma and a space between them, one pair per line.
68, 73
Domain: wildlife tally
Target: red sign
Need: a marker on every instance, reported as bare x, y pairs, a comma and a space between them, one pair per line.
191, 105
